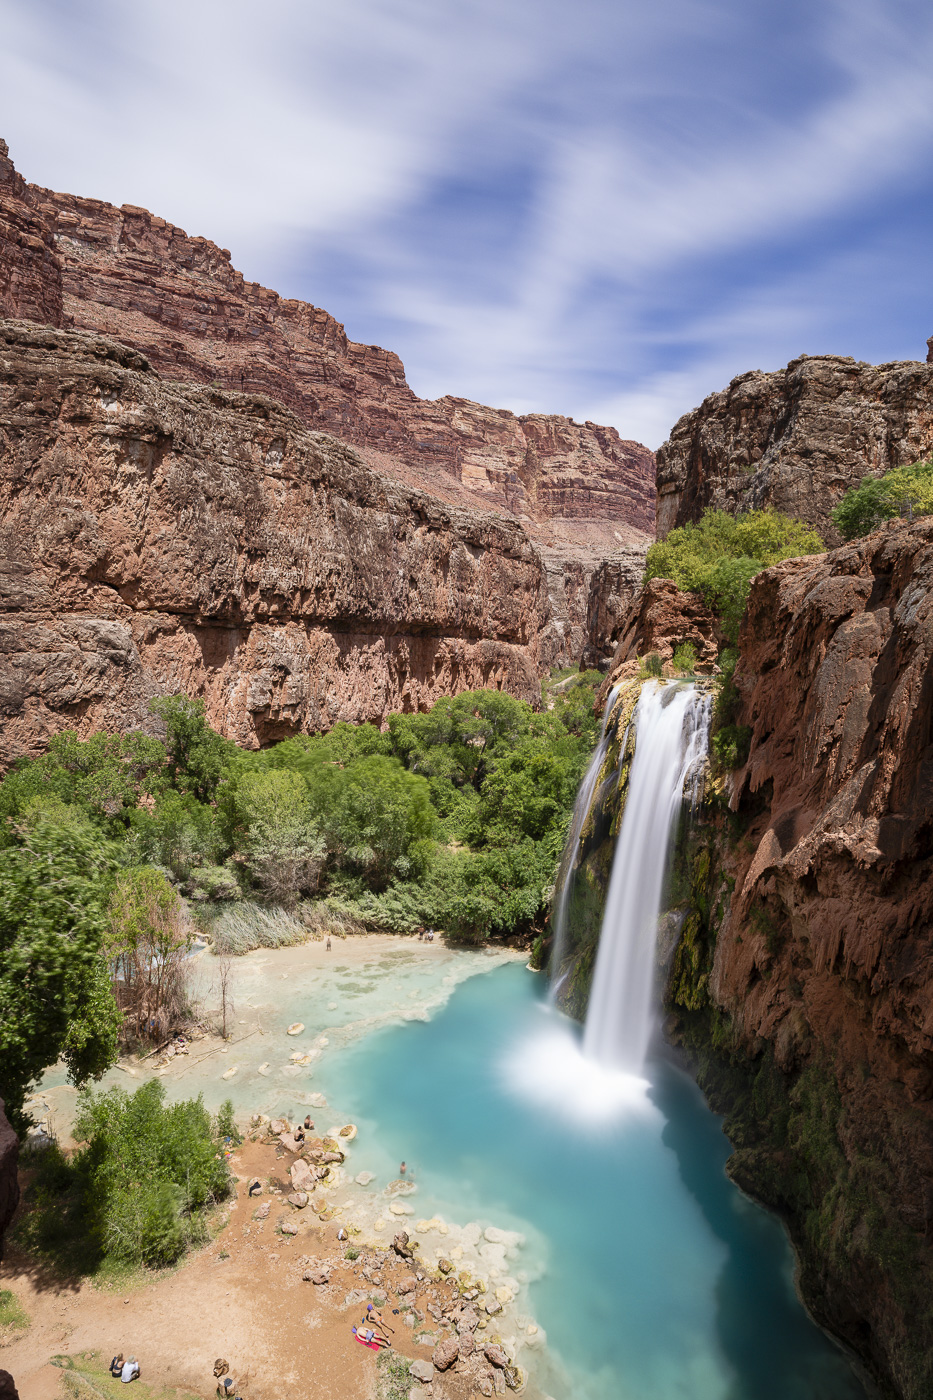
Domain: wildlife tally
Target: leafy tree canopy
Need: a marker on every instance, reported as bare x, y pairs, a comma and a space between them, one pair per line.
55, 995
906, 491
719, 555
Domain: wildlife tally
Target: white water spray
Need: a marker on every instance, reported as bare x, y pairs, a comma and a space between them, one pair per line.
565, 873
672, 728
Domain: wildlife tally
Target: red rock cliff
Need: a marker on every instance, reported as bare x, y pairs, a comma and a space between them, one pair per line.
132, 276
817, 973
796, 439
161, 537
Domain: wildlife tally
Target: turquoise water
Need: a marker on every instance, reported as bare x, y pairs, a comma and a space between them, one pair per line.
652, 1277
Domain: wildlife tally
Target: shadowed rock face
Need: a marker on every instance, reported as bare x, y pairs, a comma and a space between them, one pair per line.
659, 620
30, 269
9, 1181
823, 957
161, 537
137, 279
795, 440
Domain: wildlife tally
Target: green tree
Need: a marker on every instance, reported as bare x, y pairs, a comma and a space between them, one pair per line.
198, 757
281, 838
146, 941
719, 555
374, 815
905, 491
55, 991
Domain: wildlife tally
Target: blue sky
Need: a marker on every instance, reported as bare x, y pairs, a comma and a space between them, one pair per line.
593, 207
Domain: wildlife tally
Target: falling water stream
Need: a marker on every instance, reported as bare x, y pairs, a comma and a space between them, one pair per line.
671, 735
580, 809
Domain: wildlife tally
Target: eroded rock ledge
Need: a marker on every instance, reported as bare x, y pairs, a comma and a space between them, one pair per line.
132, 276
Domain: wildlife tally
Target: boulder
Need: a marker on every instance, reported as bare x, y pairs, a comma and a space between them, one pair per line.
288, 1227
401, 1246
295, 1028
317, 1276
407, 1284
262, 1213
422, 1371
302, 1177
486, 1386
279, 1125
446, 1353
493, 1306
298, 1199
444, 1265
495, 1355
468, 1321
467, 1345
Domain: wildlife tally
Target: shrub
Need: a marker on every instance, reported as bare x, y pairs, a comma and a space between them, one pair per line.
685, 658
245, 926
902, 491
137, 1191
652, 667
720, 554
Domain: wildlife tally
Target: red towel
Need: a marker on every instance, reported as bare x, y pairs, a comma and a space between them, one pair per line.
373, 1345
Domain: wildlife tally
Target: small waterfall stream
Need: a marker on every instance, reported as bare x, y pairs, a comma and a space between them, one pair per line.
672, 730
580, 810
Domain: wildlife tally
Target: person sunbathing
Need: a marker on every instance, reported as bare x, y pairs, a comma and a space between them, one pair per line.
374, 1315
370, 1337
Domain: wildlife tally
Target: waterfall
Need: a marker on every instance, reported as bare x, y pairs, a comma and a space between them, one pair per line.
671, 735
565, 872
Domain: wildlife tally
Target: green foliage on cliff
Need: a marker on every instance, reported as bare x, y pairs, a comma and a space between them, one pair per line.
720, 554
905, 491
137, 1192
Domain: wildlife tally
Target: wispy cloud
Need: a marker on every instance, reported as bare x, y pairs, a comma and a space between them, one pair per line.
596, 208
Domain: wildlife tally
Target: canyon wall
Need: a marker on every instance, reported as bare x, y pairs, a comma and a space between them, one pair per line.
795, 440
803, 982
159, 537
136, 278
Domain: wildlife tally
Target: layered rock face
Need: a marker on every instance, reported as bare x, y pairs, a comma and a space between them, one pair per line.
795, 440
809, 961
30, 268
659, 619
160, 537
132, 276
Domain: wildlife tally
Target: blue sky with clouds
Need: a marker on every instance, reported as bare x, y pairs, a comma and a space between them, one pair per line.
594, 207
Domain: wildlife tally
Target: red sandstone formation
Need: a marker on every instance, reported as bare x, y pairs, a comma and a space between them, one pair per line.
824, 954
659, 620
30, 268
160, 537
795, 440
135, 278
